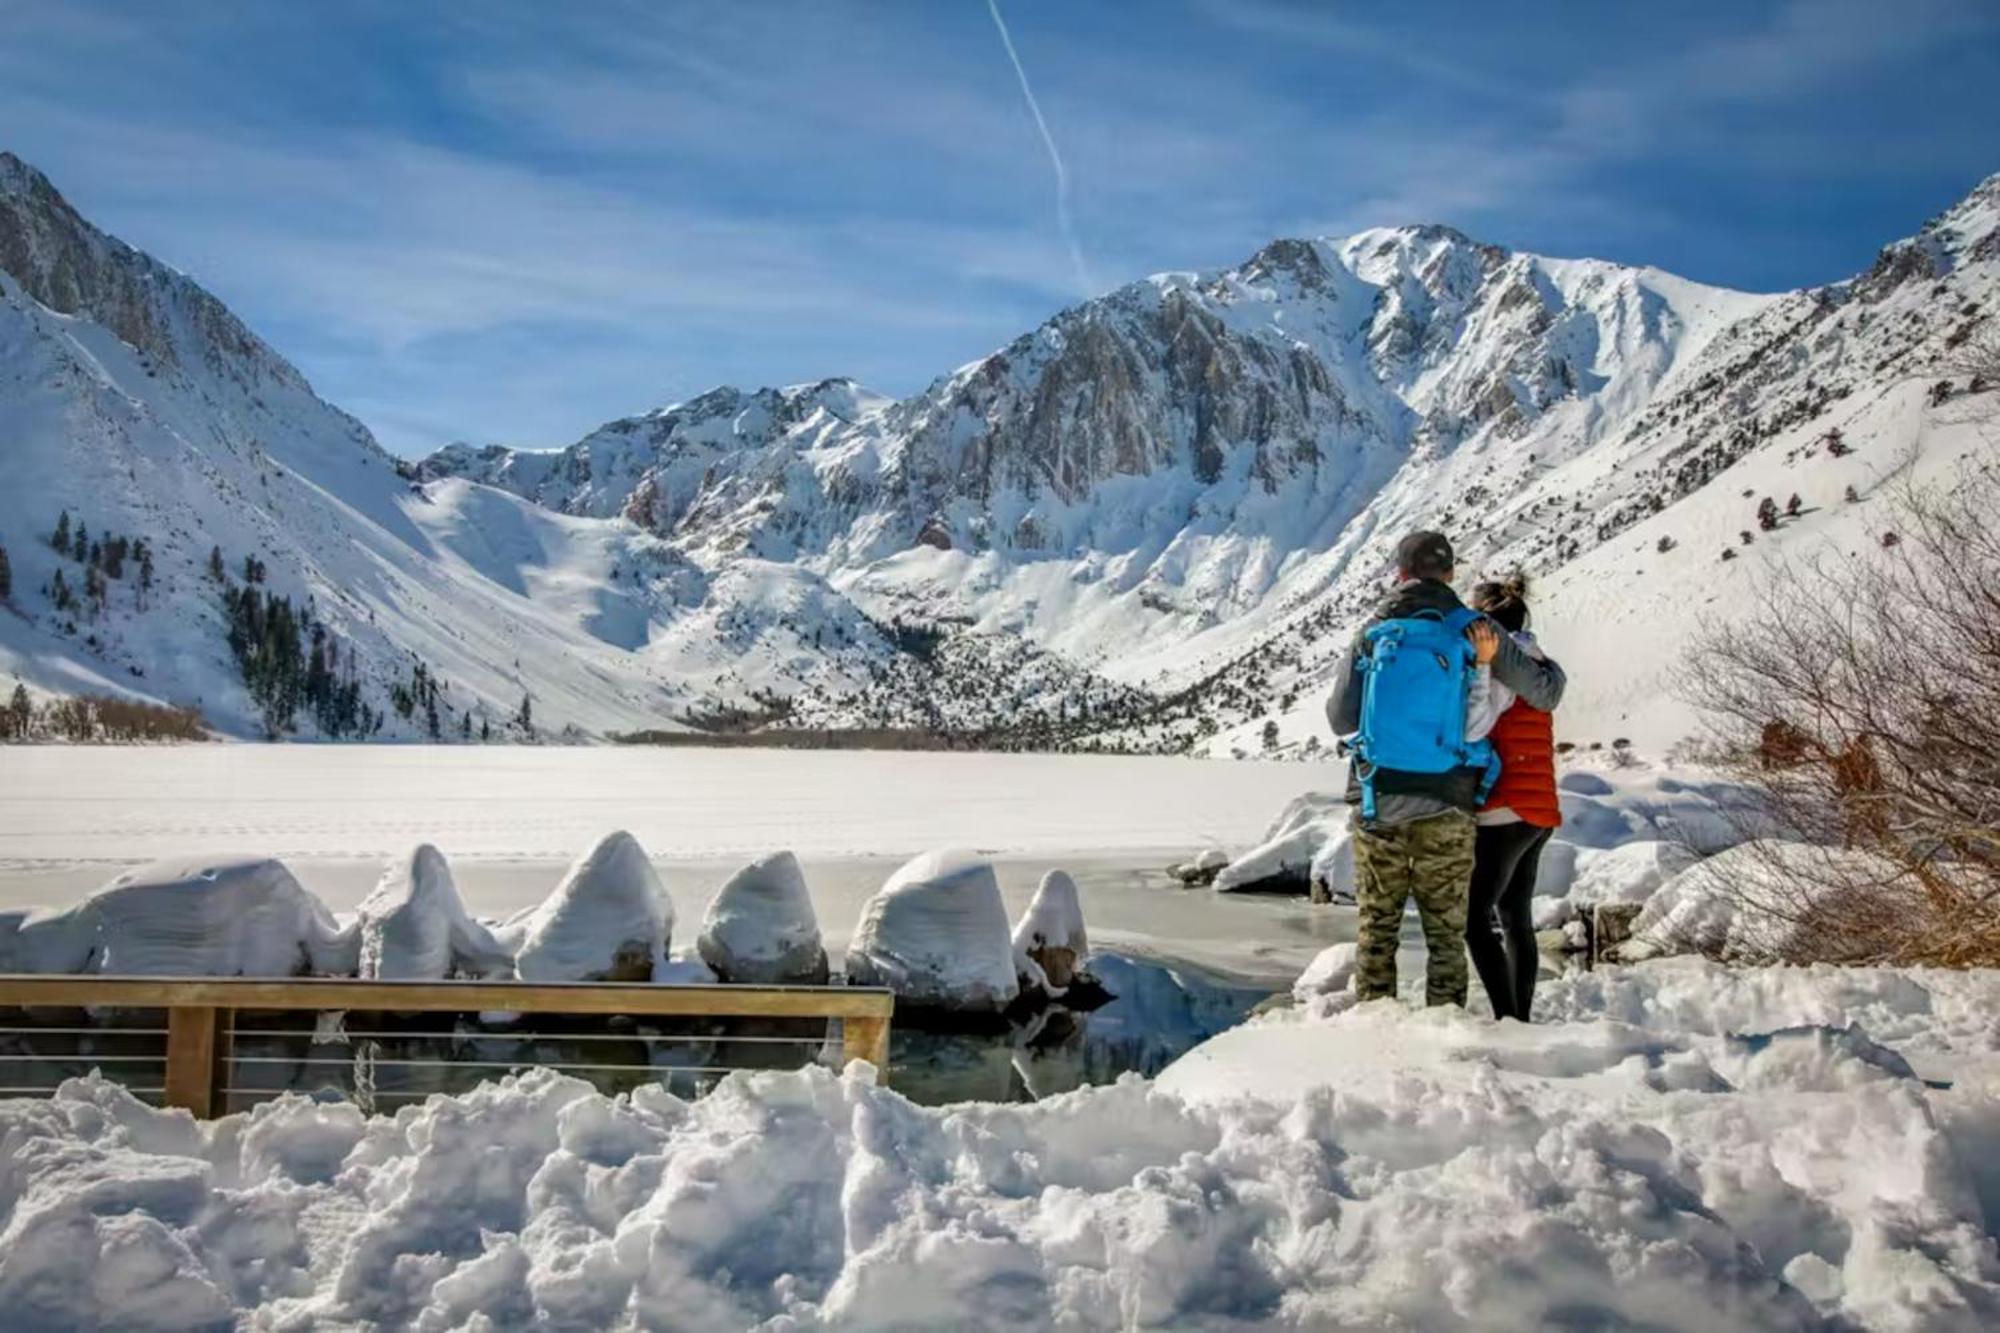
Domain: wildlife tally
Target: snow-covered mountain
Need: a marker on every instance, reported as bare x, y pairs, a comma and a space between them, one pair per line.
1149, 522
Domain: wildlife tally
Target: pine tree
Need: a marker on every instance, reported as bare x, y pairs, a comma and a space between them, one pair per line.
465, 726
20, 712
145, 573
61, 540
6, 576
60, 594
80, 545
485, 730
525, 719
216, 572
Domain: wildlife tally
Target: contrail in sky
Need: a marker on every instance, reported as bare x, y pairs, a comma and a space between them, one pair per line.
1055, 156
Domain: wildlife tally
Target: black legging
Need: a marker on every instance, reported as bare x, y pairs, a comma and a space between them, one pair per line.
1506, 857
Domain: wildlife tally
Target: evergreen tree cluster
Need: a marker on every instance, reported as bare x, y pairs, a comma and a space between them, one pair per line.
107, 559
290, 662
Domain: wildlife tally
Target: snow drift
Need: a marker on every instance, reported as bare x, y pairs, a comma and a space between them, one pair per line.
936, 934
608, 920
1688, 1148
762, 929
414, 926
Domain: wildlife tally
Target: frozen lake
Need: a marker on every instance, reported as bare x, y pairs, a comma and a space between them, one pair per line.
510, 818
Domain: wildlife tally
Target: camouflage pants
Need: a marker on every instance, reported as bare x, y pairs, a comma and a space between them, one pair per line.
1429, 860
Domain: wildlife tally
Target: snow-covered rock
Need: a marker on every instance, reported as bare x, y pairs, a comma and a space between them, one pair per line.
214, 917
761, 927
36, 939
1283, 861
608, 920
936, 934
414, 926
1050, 933
1743, 903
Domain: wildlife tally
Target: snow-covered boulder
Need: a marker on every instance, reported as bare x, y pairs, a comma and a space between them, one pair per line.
1721, 906
1201, 870
609, 920
1051, 935
214, 917
414, 926
761, 928
36, 939
936, 934
1283, 861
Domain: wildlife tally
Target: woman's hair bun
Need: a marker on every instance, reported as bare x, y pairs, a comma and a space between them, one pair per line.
1514, 586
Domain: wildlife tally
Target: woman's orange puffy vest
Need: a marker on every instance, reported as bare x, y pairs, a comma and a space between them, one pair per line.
1526, 740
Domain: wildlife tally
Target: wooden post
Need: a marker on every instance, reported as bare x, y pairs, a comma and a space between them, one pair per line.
191, 1059
866, 1039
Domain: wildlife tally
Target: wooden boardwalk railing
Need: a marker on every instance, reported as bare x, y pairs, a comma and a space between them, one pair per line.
200, 1010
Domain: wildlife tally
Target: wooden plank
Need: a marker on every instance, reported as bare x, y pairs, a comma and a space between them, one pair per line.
322, 993
866, 1039
191, 1059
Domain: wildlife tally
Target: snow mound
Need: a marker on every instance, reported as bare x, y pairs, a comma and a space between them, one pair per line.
414, 926
1051, 934
761, 928
1386, 1169
936, 934
1628, 874
1284, 859
1721, 906
213, 917
608, 920
1330, 973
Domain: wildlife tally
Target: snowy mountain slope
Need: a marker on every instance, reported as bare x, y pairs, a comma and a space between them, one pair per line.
133, 401
1144, 484
1749, 417
1150, 522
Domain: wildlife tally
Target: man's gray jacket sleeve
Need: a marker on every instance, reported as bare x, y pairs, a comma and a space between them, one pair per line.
1343, 707
1538, 680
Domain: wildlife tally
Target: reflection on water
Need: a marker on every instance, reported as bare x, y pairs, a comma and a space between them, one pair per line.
1160, 1011
384, 1062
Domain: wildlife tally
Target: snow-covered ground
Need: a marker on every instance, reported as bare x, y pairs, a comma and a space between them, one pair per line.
1685, 1148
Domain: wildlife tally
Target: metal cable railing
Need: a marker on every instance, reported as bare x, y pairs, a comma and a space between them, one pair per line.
226, 1042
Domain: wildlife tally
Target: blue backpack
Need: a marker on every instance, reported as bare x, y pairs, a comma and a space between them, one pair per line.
1416, 674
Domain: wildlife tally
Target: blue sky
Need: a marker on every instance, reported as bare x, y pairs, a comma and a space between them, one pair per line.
502, 221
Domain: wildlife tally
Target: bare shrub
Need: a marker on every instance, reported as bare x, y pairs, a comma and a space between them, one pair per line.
86, 718
1863, 702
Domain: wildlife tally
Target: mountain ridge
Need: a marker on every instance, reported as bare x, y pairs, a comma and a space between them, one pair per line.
1140, 524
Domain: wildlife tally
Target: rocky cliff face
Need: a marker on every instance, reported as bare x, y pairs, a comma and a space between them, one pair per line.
1312, 370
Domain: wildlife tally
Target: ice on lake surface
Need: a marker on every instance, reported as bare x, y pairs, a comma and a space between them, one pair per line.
60, 805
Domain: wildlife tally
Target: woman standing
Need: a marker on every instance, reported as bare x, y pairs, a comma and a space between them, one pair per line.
1514, 825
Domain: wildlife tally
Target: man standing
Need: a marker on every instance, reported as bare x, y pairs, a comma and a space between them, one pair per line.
1413, 836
